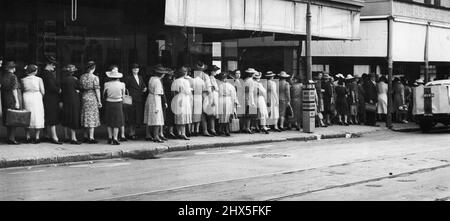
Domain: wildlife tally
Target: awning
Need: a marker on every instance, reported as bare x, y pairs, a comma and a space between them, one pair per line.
372, 43
278, 16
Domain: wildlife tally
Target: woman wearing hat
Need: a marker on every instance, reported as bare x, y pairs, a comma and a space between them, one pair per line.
251, 111
10, 98
153, 114
227, 103
328, 98
51, 99
272, 101
353, 96
136, 88
169, 117
181, 104
199, 71
284, 96
198, 92
91, 102
210, 104
33, 91
113, 92
263, 113
342, 102
71, 103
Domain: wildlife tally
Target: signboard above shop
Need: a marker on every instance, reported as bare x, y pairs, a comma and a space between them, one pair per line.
277, 16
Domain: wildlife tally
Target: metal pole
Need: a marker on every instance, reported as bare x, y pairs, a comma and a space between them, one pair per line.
309, 106
390, 70
427, 67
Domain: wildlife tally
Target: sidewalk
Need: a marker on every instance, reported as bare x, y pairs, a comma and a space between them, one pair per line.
45, 153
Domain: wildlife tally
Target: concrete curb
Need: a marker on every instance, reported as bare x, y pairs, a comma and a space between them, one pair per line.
151, 153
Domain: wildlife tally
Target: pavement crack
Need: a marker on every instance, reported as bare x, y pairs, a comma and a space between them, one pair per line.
100, 188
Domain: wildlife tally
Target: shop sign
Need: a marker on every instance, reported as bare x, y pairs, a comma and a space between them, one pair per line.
421, 12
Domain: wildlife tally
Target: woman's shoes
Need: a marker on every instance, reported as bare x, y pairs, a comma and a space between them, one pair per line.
207, 135
110, 141
123, 139
37, 141
277, 130
247, 131
115, 142
184, 137
75, 142
172, 136
92, 141
346, 124
53, 141
157, 140
148, 139
163, 138
12, 142
133, 137
28, 140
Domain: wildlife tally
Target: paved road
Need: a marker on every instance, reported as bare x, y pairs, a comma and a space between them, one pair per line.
379, 166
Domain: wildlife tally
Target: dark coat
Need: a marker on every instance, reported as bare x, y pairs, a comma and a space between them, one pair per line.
370, 92
328, 96
134, 115
135, 89
52, 98
71, 117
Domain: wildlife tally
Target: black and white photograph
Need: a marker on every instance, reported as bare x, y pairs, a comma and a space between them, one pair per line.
225, 101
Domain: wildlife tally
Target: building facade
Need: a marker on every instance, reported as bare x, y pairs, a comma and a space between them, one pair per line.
420, 32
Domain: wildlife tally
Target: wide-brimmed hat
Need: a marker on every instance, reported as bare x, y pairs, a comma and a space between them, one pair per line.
90, 64
50, 60
31, 68
269, 74
339, 75
160, 69
10, 64
251, 71
214, 68
134, 66
349, 77
326, 76
114, 74
222, 75
200, 66
258, 75
283, 74
70, 68
420, 81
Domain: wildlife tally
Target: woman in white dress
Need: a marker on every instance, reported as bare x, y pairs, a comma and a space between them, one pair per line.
263, 113
382, 88
153, 114
272, 100
33, 92
181, 102
227, 103
210, 103
198, 89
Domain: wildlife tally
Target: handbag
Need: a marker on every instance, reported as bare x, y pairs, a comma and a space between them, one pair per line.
289, 112
235, 124
18, 118
371, 107
127, 99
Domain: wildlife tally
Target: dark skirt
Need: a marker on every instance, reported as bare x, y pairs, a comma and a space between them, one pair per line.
169, 116
114, 114
71, 114
8, 102
342, 107
134, 114
52, 110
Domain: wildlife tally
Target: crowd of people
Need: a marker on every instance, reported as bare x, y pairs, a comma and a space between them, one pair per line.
186, 102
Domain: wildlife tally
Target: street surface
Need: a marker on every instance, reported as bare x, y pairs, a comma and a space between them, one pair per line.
383, 165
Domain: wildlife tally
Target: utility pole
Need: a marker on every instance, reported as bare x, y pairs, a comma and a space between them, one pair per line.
390, 71
309, 106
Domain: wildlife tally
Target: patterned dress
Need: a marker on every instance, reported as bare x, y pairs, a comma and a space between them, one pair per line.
90, 116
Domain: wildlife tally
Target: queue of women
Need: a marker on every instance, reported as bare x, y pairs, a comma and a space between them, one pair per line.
179, 104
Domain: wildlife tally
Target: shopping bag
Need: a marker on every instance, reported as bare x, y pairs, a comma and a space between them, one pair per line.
371, 107
127, 99
235, 125
18, 118
289, 111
